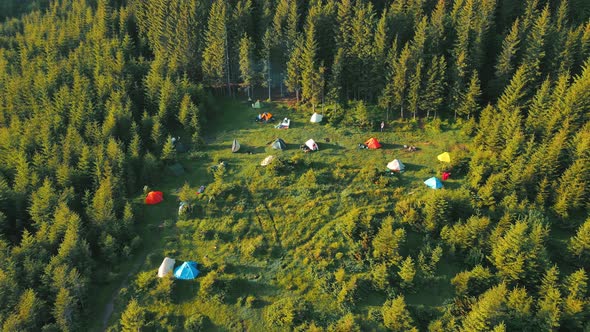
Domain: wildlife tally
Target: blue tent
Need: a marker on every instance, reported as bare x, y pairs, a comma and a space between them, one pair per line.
187, 271
433, 183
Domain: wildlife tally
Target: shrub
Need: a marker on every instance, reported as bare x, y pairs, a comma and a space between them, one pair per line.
286, 312
196, 322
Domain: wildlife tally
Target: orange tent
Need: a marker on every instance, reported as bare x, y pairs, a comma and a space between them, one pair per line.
154, 197
373, 143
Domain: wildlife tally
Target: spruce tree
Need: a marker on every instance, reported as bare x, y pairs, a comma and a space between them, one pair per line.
310, 76
133, 318
395, 315
579, 245
247, 63
215, 61
414, 90
470, 100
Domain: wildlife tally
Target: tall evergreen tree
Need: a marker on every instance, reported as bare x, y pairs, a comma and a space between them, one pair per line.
215, 54
247, 72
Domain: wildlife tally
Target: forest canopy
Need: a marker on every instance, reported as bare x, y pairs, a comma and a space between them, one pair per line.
91, 92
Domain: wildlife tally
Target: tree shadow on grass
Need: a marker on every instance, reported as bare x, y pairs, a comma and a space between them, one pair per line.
242, 287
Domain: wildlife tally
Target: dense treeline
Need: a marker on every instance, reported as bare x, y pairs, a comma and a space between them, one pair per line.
90, 91
79, 135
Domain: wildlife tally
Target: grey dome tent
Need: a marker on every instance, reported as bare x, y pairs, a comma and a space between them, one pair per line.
235, 147
279, 144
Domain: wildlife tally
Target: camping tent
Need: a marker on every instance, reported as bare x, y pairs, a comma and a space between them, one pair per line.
279, 144
311, 144
235, 146
444, 157
316, 118
373, 143
267, 160
176, 169
396, 165
187, 271
257, 104
154, 197
433, 183
166, 267
284, 124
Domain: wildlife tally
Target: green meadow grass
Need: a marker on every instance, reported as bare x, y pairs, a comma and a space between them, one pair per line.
264, 246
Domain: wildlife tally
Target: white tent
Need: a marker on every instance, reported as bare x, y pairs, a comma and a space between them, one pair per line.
166, 267
311, 144
267, 160
316, 118
396, 165
235, 147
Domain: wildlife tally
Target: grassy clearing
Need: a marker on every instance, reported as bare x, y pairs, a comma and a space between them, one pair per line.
280, 234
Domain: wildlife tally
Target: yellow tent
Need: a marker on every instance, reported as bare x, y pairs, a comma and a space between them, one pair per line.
445, 157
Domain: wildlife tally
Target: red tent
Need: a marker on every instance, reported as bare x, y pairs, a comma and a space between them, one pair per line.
154, 197
373, 143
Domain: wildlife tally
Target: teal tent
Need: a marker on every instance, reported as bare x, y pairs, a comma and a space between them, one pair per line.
433, 183
187, 271
257, 104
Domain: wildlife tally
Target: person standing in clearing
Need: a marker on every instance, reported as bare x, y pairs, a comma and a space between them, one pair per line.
382, 125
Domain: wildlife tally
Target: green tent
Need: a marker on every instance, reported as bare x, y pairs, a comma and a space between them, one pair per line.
257, 104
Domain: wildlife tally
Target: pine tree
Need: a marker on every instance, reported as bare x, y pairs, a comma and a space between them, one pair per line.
436, 29
65, 310
549, 302
432, 94
399, 79
469, 104
247, 63
414, 90
520, 254
395, 315
168, 151
407, 272
488, 309
571, 193
579, 245
534, 53
387, 242
310, 76
215, 61
133, 318
574, 305
43, 203
267, 50
295, 69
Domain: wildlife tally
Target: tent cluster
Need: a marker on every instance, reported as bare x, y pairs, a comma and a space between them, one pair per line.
434, 182
187, 271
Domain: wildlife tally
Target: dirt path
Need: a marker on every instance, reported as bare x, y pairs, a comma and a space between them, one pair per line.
110, 306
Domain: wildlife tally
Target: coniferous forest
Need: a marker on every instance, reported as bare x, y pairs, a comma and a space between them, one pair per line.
91, 92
